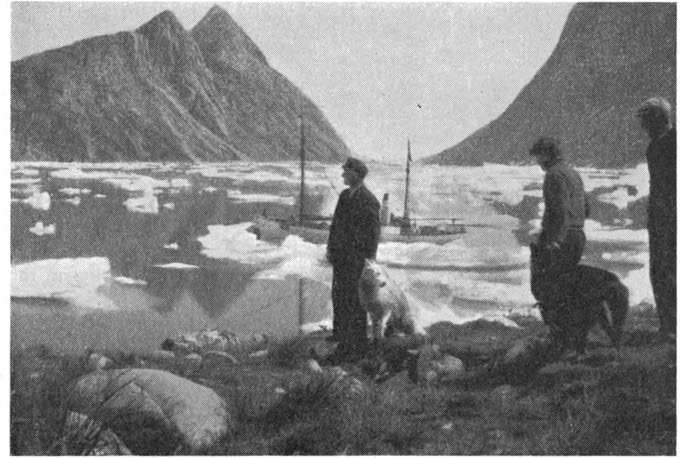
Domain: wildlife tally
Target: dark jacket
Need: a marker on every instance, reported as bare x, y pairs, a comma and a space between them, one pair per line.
661, 162
566, 206
355, 230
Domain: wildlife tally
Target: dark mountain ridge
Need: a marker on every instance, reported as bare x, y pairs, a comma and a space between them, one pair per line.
163, 93
610, 58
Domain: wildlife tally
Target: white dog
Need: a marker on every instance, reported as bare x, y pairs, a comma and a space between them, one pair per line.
385, 302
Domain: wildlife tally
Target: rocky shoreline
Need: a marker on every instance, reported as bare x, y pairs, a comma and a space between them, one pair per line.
475, 388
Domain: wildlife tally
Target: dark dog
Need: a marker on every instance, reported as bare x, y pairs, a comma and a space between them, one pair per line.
572, 304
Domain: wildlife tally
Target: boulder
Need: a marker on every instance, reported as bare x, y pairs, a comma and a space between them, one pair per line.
131, 400
533, 351
85, 436
181, 348
343, 384
322, 349
313, 367
219, 357
259, 354
258, 338
505, 395
204, 340
449, 367
99, 362
161, 355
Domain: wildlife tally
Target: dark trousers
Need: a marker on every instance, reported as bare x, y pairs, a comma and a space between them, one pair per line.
349, 318
548, 265
662, 272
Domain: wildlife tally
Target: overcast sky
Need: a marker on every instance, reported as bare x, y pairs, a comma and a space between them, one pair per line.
380, 71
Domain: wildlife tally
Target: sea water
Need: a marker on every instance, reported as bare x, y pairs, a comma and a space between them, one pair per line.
96, 260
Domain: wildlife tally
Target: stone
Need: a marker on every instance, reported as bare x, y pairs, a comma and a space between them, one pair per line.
161, 355
194, 357
259, 354
322, 349
529, 354
219, 357
99, 362
343, 384
137, 397
314, 367
258, 338
449, 368
505, 394
181, 348
85, 436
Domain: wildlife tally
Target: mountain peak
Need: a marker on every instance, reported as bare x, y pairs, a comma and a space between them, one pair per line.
165, 20
219, 35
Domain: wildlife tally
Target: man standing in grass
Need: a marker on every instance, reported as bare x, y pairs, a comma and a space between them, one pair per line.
353, 238
655, 118
562, 239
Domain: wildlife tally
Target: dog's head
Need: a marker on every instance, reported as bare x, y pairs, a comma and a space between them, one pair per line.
372, 275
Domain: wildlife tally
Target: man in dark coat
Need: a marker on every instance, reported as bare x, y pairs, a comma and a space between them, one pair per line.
562, 239
353, 238
655, 118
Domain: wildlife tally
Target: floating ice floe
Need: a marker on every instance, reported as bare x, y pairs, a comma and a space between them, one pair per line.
76, 280
148, 203
620, 197
176, 265
39, 201
171, 246
238, 195
180, 183
76, 173
100, 196
73, 201
210, 189
24, 181
28, 172
40, 229
637, 177
74, 191
634, 257
169, 205
136, 183
129, 281
597, 232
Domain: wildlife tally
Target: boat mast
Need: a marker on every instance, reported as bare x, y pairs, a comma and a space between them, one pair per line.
302, 169
408, 172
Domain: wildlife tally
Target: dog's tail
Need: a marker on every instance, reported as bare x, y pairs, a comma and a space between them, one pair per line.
615, 310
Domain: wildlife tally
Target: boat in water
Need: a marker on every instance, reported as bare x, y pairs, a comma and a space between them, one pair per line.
315, 228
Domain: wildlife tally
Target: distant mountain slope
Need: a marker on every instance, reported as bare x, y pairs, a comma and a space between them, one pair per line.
163, 93
610, 57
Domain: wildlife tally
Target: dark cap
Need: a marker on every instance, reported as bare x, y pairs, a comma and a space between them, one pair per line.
655, 107
355, 164
546, 145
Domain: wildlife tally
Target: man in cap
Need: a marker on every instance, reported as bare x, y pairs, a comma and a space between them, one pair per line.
562, 239
655, 118
353, 238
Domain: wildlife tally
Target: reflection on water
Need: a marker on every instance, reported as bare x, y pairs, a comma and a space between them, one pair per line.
226, 294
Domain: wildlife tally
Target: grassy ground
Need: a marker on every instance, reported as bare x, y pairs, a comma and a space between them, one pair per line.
612, 402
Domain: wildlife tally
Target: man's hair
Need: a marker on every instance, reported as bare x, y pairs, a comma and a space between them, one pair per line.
548, 146
657, 108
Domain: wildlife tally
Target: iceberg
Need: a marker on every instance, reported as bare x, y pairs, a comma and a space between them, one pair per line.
40, 229
39, 201
75, 280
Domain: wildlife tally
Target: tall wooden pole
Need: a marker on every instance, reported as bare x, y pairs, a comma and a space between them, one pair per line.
408, 172
301, 305
302, 169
